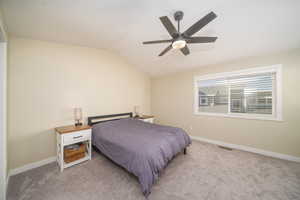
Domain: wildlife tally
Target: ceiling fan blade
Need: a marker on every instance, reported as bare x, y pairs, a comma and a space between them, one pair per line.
169, 26
157, 41
185, 50
201, 40
165, 50
200, 24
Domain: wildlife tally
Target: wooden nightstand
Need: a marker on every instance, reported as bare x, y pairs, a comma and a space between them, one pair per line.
68, 135
146, 118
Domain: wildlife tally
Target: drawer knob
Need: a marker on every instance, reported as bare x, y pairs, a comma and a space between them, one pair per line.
77, 137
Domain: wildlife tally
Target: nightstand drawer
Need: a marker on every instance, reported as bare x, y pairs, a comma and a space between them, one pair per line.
77, 136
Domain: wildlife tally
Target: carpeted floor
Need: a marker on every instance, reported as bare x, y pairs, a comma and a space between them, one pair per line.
206, 172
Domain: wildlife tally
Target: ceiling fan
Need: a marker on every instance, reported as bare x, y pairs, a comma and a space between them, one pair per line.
180, 40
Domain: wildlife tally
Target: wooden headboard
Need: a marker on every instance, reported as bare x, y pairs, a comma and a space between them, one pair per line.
104, 118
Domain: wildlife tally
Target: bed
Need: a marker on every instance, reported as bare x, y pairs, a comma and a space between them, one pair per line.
144, 149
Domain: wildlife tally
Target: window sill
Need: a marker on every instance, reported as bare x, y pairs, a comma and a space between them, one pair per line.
241, 116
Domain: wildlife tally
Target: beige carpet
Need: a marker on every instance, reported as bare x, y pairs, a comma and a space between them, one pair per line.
206, 172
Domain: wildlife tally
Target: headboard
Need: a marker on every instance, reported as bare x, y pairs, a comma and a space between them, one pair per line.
99, 119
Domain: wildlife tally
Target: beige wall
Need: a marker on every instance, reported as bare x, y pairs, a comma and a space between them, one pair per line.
172, 103
47, 80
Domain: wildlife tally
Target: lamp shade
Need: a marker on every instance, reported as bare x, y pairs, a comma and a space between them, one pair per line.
77, 114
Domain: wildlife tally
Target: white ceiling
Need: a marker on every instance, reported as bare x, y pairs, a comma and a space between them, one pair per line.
244, 27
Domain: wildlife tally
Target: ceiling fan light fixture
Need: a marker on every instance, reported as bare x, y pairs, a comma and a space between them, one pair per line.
178, 44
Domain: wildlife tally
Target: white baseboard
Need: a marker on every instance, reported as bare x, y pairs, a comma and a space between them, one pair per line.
216, 142
6, 187
249, 149
7, 180
31, 166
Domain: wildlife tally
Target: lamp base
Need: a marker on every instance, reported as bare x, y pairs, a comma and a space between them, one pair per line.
78, 124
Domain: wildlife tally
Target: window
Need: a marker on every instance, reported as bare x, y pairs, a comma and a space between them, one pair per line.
254, 94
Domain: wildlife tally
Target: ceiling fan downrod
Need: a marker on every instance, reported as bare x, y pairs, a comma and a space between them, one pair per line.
178, 15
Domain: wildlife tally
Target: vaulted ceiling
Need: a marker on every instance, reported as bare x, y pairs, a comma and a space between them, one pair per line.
244, 28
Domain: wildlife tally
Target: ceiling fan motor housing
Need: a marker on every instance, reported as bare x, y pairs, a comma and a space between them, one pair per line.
178, 15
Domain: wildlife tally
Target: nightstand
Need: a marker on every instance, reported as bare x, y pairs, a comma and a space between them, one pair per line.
146, 118
68, 135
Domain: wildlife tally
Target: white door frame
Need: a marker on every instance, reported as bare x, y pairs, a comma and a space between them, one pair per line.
3, 115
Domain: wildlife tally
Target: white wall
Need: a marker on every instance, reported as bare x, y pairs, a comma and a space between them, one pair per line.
3, 132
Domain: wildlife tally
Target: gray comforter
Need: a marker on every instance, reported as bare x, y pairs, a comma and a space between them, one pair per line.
144, 149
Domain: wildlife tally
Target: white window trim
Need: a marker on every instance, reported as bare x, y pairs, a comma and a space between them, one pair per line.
251, 71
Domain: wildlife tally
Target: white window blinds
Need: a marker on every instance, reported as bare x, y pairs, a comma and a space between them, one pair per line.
249, 93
